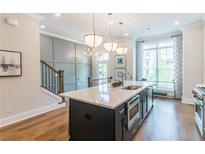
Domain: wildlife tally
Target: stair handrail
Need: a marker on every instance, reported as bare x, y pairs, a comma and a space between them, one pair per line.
56, 76
91, 80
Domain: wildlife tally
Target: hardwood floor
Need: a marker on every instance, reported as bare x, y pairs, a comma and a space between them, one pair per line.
49, 126
169, 120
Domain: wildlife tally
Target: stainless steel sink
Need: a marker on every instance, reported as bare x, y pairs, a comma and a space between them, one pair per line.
131, 87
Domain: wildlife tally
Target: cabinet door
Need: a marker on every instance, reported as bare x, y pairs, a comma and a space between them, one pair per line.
83, 71
90, 122
82, 85
46, 48
64, 59
144, 103
80, 56
64, 51
119, 122
69, 86
83, 67
69, 75
145, 106
150, 98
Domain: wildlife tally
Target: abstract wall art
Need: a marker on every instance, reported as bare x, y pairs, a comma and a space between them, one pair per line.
10, 63
120, 61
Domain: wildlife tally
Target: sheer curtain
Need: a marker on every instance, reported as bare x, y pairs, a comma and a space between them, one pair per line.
177, 62
178, 57
139, 61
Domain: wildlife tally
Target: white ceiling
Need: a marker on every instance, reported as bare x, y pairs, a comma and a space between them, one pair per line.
76, 25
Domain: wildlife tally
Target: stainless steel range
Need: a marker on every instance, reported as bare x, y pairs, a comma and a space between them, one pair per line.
199, 99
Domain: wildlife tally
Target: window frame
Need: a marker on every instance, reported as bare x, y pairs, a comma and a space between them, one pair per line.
103, 61
156, 68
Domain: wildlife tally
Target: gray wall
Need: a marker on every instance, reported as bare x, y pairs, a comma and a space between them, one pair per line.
67, 56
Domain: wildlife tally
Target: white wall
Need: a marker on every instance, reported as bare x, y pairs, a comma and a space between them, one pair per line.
22, 94
204, 55
0, 48
193, 48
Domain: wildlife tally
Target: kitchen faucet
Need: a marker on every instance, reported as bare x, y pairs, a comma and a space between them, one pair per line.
124, 75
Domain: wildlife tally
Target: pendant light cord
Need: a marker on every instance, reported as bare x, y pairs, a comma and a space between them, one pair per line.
93, 22
94, 30
121, 23
110, 14
110, 24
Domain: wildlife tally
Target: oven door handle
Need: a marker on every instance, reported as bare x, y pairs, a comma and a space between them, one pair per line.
130, 102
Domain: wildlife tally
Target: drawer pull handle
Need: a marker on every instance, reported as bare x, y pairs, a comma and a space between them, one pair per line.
122, 111
88, 116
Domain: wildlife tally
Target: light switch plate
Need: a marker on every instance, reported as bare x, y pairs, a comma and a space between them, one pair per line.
12, 22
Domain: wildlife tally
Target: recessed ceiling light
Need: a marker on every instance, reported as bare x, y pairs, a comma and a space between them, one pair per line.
57, 14
42, 26
176, 23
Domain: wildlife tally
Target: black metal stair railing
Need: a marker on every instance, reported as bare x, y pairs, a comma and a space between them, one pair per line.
51, 79
94, 82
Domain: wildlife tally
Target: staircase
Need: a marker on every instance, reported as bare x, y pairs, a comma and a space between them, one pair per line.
51, 79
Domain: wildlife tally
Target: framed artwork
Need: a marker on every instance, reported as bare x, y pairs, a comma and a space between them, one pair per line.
120, 61
119, 73
10, 63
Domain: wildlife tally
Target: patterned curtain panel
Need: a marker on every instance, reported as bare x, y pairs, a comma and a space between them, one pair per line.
178, 57
139, 61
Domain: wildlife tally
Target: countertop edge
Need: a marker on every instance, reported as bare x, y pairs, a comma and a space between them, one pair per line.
109, 107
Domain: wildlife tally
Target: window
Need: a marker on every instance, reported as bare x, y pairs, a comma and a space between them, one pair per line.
103, 57
102, 66
158, 63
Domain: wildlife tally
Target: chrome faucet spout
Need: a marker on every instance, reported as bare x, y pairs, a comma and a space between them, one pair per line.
124, 75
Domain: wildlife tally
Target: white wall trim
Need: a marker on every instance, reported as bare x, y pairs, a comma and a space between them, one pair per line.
34, 15
158, 36
45, 91
61, 37
25, 115
187, 101
192, 25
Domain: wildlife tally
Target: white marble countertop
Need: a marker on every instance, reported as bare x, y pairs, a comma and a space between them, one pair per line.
106, 95
200, 85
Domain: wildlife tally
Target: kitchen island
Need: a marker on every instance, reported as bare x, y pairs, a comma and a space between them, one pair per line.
106, 113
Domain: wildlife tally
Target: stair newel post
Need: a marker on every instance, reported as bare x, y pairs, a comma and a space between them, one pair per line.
61, 81
89, 82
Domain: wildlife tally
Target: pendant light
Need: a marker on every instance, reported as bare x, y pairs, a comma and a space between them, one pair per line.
121, 49
110, 45
93, 40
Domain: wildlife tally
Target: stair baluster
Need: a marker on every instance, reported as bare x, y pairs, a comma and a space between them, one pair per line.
51, 79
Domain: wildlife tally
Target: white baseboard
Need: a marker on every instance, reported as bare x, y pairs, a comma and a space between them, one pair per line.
187, 101
22, 116
47, 92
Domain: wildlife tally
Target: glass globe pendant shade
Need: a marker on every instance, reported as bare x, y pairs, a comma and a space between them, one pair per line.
121, 50
110, 46
93, 40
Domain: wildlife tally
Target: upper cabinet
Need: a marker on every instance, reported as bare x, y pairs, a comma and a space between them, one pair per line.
80, 56
83, 71
46, 48
64, 51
